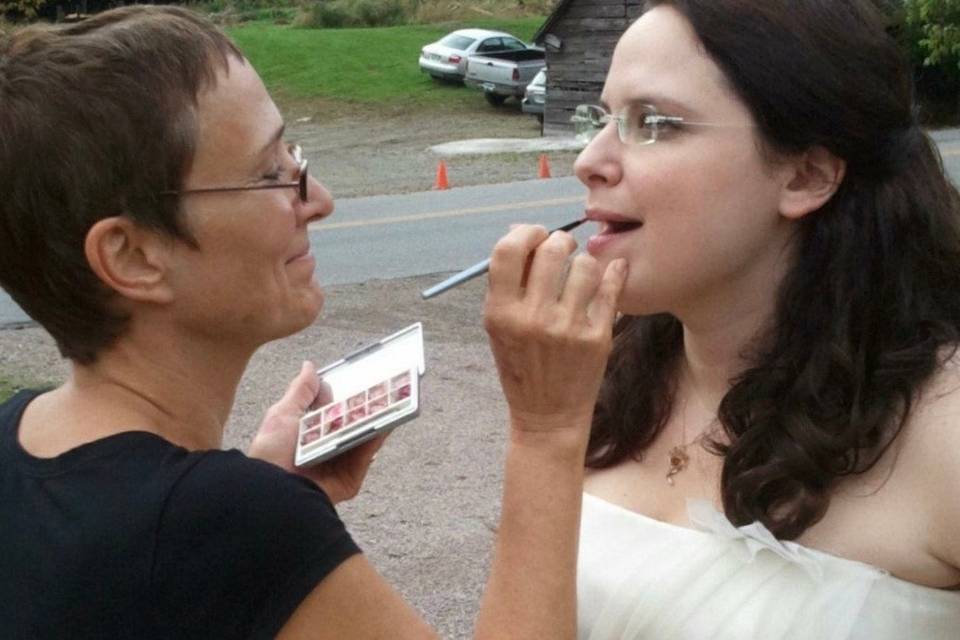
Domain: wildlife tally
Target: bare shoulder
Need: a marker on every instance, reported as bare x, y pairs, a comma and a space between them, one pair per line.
933, 427
930, 455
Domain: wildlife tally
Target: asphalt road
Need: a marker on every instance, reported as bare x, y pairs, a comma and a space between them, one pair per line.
385, 237
949, 142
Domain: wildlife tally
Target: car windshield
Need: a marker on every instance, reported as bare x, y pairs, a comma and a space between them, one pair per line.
457, 42
540, 78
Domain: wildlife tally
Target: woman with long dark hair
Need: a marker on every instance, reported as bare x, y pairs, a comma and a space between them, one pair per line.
775, 447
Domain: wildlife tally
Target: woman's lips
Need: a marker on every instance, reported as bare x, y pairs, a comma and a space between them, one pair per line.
304, 252
611, 231
306, 258
619, 226
611, 221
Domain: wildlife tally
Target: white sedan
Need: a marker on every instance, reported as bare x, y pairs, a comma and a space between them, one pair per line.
446, 59
535, 96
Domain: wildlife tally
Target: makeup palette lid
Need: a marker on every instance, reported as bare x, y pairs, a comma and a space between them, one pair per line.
402, 350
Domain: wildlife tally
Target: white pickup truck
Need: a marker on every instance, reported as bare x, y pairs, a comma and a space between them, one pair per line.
504, 73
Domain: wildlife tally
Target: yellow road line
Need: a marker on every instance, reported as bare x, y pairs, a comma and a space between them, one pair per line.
450, 213
459, 213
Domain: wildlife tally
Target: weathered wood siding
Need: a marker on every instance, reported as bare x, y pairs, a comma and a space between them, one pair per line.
589, 30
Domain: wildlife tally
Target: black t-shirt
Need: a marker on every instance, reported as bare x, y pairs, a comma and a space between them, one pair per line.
134, 537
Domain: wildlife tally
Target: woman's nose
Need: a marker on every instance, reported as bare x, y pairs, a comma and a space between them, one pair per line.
319, 202
599, 164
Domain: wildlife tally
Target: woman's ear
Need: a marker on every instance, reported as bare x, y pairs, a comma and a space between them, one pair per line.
130, 259
815, 176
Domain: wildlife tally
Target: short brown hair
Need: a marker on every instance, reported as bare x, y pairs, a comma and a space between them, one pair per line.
98, 119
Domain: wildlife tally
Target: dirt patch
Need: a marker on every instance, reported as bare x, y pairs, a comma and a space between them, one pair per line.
359, 150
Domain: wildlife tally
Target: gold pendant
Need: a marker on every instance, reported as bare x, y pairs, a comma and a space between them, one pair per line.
678, 461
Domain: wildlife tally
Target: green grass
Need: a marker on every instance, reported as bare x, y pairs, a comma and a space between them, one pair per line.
373, 66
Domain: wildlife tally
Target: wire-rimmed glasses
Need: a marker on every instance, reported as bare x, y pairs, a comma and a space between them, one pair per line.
636, 124
300, 184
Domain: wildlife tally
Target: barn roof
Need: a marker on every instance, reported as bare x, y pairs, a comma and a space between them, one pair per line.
551, 20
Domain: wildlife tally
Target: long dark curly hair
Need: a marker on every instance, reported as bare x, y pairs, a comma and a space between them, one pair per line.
871, 307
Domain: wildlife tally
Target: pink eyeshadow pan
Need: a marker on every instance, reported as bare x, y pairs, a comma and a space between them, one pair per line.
373, 401
378, 403
400, 380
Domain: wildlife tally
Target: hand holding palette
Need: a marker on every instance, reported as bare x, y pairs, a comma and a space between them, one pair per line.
373, 390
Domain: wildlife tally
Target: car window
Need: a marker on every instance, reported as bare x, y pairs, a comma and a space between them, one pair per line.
490, 44
457, 42
512, 44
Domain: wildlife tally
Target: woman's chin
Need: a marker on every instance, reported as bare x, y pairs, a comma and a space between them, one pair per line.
304, 313
314, 306
635, 303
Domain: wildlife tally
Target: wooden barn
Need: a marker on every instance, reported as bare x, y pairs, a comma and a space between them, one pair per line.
579, 37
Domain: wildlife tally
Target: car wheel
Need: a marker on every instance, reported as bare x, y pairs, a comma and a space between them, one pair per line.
494, 99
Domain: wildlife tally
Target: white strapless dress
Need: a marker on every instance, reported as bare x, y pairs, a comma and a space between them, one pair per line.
641, 578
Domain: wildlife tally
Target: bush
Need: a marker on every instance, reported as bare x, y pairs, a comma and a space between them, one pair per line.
352, 13
381, 13
929, 32
434, 11
231, 12
935, 27
385, 13
21, 8
316, 15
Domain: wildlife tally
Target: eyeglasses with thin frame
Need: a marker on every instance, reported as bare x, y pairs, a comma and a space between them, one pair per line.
300, 184
637, 124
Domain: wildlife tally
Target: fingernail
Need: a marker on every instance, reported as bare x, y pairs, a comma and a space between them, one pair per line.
620, 265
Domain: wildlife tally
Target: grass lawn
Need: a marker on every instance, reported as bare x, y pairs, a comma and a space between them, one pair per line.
376, 66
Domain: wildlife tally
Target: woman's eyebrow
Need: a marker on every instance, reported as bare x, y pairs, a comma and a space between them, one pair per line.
668, 104
661, 102
278, 135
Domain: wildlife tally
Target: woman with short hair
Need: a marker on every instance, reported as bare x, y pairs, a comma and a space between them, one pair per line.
154, 221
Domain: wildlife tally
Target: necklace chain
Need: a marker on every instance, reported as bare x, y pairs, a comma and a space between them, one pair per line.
678, 456
679, 459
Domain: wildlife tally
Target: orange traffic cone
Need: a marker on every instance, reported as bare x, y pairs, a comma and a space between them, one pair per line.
544, 171
441, 181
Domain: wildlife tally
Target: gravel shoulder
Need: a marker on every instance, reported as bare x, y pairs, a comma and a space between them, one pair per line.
364, 151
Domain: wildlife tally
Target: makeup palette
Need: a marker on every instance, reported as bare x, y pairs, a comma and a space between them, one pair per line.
368, 392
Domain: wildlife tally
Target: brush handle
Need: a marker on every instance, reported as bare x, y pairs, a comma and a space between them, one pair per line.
479, 269
456, 279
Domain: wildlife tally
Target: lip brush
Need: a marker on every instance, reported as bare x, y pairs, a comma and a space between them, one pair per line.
479, 269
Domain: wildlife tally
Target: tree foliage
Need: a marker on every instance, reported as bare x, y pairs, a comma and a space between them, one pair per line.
21, 8
929, 33
935, 28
